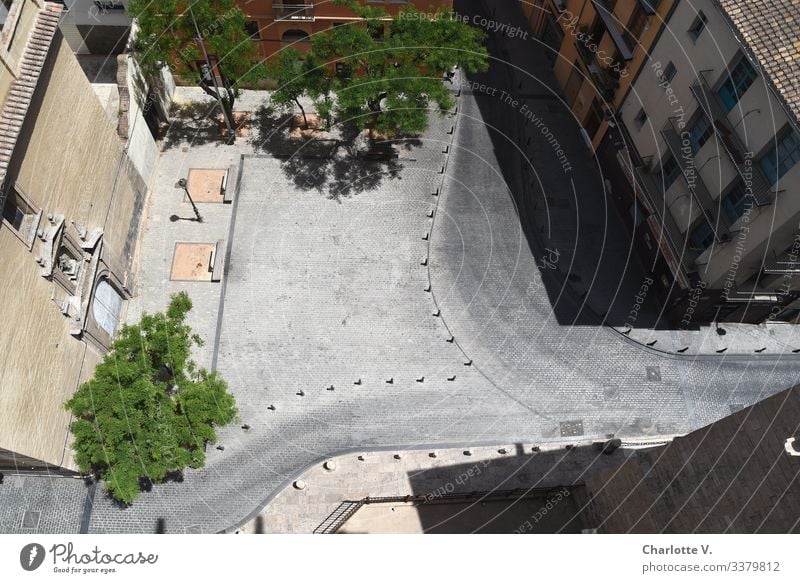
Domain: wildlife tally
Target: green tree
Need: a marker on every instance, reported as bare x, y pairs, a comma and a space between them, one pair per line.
385, 73
148, 411
168, 36
290, 72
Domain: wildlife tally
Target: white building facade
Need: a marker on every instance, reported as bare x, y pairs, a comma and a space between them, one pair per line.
714, 144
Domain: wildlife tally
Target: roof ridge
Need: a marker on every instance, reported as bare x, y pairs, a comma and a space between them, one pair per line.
20, 94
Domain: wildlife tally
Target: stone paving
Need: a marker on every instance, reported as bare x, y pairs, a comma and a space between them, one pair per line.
358, 310
43, 504
390, 473
329, 291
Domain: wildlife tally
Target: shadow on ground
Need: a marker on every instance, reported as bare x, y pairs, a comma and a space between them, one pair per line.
521, 492
338, 163
194, 124
599, 278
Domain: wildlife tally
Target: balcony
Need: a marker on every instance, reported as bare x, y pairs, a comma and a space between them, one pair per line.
681, 151
787, 263
668, 236
293, 12
605, 80
671, 241
612, 26
750, 173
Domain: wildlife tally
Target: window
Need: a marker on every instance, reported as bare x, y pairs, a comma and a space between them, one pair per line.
5, 7
698, 25
737, 201
637, 23
377, 32
573, 86
702, 236
669, 72
669, 172
252, 29
700, 132
295, 35
640, 118
650, 6
21, 216
739, 81
593, 119
107, 307
780, 158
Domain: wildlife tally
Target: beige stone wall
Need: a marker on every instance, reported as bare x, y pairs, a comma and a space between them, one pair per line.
70, 162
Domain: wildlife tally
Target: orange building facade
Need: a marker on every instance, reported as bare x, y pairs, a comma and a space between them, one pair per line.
274, 24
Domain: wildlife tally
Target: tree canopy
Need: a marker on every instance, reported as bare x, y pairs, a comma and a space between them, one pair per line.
148, 411
167, 36
380, 72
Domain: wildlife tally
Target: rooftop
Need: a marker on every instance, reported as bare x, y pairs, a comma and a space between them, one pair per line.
769, 29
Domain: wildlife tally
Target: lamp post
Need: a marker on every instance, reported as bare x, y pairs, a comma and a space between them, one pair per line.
185, 186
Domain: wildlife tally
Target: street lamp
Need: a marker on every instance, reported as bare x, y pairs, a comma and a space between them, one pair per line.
185, 186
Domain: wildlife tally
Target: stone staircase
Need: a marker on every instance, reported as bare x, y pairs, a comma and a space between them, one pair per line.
21, 93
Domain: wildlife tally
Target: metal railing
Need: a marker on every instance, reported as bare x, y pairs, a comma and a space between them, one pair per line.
682, 153
296, 12
739, 154
348, 508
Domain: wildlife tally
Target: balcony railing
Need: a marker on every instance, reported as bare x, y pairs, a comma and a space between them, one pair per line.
671, 241
295, 12
786, 263
681, 151
612, 26
750, 173
603, 78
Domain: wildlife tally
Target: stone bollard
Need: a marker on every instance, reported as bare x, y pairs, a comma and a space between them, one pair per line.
299, 485
608, 447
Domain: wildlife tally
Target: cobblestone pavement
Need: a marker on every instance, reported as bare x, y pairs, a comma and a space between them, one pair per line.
328, 292
331, 338
44, 504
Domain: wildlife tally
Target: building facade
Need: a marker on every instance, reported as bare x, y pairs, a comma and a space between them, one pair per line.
276, 24
96, 27
711, 144
71, 205
597, 47
697, 137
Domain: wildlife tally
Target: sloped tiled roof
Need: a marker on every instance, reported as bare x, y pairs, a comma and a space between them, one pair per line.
770, 29
20, 95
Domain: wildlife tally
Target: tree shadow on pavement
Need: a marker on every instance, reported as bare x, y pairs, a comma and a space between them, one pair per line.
195, 123
339, 163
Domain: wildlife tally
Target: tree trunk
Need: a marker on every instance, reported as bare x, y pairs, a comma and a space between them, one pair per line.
303, 111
